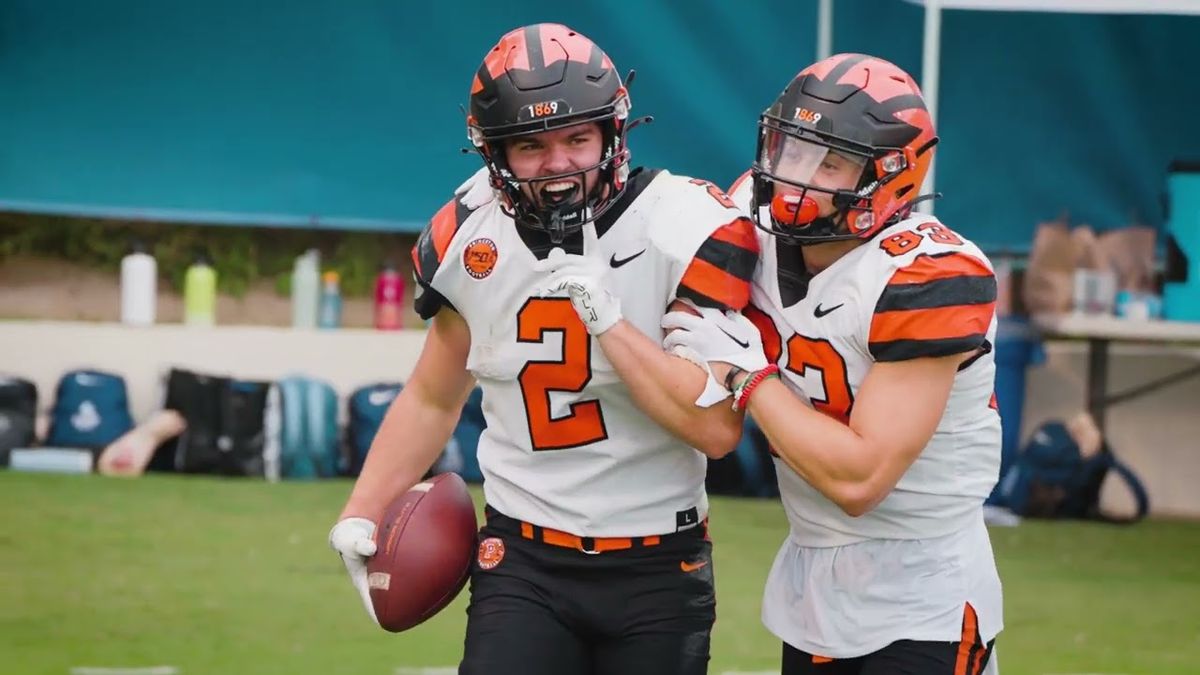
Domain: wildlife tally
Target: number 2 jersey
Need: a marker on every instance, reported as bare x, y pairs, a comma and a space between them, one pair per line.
846, 586
565, 446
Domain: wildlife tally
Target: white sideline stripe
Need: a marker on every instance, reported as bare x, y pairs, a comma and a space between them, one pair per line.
147, 670
453, 670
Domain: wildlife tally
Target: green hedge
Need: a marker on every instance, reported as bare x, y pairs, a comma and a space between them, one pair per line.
242, 256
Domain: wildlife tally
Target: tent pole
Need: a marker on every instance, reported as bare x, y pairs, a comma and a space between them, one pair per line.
930, 60
824, 29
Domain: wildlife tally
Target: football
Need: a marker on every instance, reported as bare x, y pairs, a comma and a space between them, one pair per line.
681, 306
425, 544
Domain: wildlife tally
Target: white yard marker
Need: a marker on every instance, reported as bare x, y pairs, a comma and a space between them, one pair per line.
448, 670
145, 670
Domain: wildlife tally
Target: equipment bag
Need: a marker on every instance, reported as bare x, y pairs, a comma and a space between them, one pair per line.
91, 410
1051, 479
225, 425
308, 439
367, 406
18, 413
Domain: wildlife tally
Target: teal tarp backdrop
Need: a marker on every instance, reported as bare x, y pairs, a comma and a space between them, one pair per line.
345, 114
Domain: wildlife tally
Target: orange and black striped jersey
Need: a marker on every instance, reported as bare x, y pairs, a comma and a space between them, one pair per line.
937, 304
565, 446
916, 289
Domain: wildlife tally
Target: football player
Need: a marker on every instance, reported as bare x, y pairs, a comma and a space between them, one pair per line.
874, 327
547, 277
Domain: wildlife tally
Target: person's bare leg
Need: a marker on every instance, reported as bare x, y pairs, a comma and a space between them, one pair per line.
129, 454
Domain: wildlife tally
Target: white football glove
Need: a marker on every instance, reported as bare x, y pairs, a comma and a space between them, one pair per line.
714, 392
727, 337
353, 539
477, 190
582, 277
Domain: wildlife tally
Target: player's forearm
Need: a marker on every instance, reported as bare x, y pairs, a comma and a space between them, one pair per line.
409, 440
665, 387
827, 454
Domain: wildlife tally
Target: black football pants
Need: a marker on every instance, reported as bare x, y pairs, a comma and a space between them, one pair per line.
541, 609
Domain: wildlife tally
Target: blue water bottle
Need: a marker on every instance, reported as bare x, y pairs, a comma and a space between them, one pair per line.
330, 313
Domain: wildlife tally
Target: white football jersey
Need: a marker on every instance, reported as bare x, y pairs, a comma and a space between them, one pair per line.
916, 289
845, 586
565, 446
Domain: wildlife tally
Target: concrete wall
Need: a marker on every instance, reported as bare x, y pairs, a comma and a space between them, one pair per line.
1158, 435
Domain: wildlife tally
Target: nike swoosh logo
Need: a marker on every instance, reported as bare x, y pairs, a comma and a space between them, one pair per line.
617, 263
818, 312
381, 397
741, 343
691, 567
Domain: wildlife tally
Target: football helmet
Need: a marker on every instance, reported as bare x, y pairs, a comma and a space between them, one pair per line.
543, 77
863, 109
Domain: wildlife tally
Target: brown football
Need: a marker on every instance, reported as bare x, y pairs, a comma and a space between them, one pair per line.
425, 544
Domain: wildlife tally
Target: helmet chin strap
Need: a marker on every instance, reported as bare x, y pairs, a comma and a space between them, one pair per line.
556, 228
556, 218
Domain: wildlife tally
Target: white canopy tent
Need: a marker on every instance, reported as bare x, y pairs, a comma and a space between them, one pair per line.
932, 44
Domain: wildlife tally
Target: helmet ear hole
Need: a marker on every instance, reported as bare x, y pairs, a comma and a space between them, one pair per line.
863, 222
891, 163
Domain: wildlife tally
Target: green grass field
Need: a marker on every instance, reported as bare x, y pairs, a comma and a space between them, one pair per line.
227, 576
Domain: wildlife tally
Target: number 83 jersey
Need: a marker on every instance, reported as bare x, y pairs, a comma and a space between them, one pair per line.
915, 290
565, 447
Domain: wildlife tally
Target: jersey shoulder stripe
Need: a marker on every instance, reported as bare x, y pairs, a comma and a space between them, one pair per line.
929, 266
435, 239
937, 305
719, 275
430, 251
938, 280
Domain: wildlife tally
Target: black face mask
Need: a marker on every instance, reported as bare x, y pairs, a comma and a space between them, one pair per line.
562, 217
587, 202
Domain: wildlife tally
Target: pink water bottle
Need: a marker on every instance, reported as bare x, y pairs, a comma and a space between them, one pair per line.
389, 298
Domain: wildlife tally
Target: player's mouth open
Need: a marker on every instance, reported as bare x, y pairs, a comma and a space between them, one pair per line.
559, 192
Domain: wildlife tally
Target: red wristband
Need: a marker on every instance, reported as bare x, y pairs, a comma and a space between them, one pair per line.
748, 388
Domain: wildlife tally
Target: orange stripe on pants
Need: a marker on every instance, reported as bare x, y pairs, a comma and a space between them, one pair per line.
970, 628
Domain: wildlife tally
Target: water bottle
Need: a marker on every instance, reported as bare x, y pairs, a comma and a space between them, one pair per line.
139, 286
306, 289
389, 294
330, 315
200, 293
53, 460
1003, 267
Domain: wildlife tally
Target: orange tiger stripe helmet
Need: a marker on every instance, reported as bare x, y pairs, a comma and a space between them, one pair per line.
861, 108
538, 78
